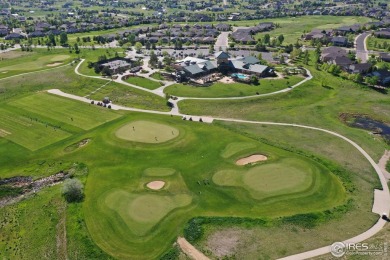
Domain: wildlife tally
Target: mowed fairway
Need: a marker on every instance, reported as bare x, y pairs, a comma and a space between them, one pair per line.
16, 62
68, 111
147, 132
130, 221
141, 212
28, 132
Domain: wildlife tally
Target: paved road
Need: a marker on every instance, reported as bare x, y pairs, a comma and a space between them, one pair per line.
361, 48
222, 41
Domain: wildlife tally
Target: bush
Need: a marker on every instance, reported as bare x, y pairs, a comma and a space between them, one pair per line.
73, 190
194, 230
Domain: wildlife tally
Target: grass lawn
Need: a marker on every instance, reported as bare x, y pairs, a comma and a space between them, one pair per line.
68, 111
292, 28
65, 79
235, 89
379, 44
27, 130
147, 132
17, 62
157, 75
144, 82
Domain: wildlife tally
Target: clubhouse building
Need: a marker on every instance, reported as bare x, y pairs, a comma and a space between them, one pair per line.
194, 68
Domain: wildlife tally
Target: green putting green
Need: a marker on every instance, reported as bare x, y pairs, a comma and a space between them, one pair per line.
286, 176
236, 147
141, 212
147, 132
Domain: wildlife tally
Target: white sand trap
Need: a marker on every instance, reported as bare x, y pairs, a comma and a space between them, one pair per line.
54, 64
251, 159
155, 185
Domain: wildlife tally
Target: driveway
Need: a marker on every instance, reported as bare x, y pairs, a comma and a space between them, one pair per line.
222, 41
361, 48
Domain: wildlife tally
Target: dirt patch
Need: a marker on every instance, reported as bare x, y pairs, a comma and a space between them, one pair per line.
75, 146
251, 159
54, 64
190, 250
224, 243
155, 185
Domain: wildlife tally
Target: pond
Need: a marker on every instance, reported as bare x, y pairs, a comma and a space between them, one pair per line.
372, 125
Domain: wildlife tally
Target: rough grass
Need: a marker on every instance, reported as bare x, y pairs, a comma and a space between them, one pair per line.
65, 79
236, 89
131, 97
236, 147
29, 227
143, 82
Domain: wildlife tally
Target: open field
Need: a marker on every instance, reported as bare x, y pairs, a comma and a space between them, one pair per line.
235, 89
66, 80
292, 28
17, 62
143, 82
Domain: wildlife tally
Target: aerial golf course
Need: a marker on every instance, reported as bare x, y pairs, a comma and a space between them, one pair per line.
195, 163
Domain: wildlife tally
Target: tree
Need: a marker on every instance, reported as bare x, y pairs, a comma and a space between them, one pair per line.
52, 40
372, 80
266, 38
281, 39
147, 45
76, 48
138, 47
63, 38
153, 59
211, 49
254, 80
73, 190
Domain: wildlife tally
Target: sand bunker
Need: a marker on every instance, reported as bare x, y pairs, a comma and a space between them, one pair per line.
155, 185
54, 64
251, 159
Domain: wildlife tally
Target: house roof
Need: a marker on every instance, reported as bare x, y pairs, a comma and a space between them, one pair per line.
193, 69
222, 55
249, 60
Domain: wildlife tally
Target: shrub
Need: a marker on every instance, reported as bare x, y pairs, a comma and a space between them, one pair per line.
73, 190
